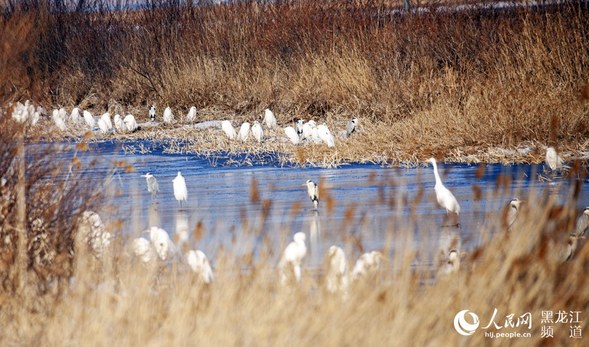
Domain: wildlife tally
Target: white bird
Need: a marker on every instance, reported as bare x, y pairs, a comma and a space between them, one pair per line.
36, 115
142, 249
292, 135
103, 125
582, 223
93, 232
119, 124
152, 113
368, 264
513, 211
450, 264
107, 121
337, 275
313, 192
89, 119
228, 129
257, 131
351, 128
130, 123
199, 263
75, 116
325, 135
168, 115
161, 241
152, 186
299, 127
269, 118
553, 160
20, 113
59, 120
292, 257
63, 114
180, 191
244, 132
191, 116
444, 196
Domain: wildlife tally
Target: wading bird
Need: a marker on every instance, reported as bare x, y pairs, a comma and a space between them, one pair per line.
257, 131
444, 196
451, 264
94, 232
168, 115
313, 192
180, 191
152, 113
58, 120
130, 123
89, 119
553, 160
228, 129
199, 263
337, 275
75, 116
291, 259
269, 118
191, 116
325, 135
513, 210
119, 125
161, 242
142, 249
367, 265
244, 132
582, 223
292, 135
152, 186
351, 128
299, 126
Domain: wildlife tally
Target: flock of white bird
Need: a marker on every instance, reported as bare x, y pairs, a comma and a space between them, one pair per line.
301, 132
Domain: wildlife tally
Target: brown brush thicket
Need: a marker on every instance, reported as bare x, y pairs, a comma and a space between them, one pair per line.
439, 78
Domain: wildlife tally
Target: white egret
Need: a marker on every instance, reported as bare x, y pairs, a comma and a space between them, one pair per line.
313, 192
257, 131
180, 191
311, 132
191, 116
63, 114
582, 223
325, 135
36, 115
444, 196
75, 116
199, 263
269, 118
152, 113
513, 210
292, 257
367, 265
228, 129
142, 249
93, 232
244, 132
103, 125
451, 264
20, 113
299, 126
59, 120
337, 275
161, 241
119, 124
351, 128
292, 135
152, 186
553, 160
89, 119
168, 115
130, 123
107, 121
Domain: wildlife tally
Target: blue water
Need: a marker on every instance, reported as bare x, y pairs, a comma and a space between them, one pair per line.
379, 200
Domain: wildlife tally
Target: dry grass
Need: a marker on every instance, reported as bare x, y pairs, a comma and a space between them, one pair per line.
446, 83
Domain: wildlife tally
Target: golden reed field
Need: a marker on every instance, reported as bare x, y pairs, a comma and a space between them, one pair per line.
446, 84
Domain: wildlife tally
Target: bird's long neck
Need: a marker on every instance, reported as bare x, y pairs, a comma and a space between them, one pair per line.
436, 174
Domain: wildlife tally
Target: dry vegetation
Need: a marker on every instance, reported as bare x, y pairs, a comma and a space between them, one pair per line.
449, 83
429, 85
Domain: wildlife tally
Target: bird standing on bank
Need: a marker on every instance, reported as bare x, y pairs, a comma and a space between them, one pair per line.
191, 116
313, 192
337, 275
257, 131
292, 135
199, 263
351, 128
168, 116
152, 113
180, 191
444, 196
292, 257
244, 132
269, 118
228, 129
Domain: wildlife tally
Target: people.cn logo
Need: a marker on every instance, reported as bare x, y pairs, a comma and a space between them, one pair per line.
463, 327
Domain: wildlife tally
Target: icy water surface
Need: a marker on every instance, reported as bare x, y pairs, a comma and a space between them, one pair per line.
363, 207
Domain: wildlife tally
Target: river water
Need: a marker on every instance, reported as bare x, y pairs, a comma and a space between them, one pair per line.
362, 207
